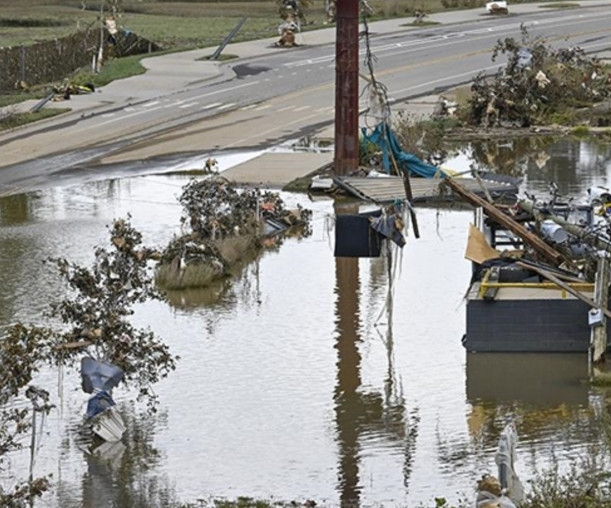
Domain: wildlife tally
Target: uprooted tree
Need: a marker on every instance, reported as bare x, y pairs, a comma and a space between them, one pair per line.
93, 320
539, 84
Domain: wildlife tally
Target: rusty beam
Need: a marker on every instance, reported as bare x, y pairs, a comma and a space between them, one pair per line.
346, 157
515, 227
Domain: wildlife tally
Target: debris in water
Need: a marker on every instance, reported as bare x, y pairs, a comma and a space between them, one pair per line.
226, 223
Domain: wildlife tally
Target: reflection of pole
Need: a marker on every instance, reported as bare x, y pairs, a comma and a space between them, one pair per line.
347, 400
346, 87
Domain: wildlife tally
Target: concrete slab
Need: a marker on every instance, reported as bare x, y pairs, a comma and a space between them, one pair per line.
277, 169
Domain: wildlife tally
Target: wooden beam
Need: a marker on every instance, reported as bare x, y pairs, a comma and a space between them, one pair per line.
515, 227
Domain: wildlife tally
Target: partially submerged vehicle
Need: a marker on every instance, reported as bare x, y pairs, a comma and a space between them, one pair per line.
535, 269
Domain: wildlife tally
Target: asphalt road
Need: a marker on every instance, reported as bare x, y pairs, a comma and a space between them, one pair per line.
262, 100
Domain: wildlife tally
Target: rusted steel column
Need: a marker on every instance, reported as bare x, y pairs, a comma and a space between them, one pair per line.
347, 87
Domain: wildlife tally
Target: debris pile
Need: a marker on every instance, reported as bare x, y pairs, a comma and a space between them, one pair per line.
539, 84
292, 14
66, 90
225, 224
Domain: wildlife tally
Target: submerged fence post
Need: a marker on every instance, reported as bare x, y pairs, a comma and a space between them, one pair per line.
596, 318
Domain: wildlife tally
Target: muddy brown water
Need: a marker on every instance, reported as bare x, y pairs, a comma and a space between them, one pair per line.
300, 379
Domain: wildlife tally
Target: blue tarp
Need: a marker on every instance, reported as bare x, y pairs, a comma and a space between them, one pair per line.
99, 403
384, 138
96, 375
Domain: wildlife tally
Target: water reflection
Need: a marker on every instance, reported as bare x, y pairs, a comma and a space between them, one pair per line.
364, 415
349, 408
532, 379
126, 473
572, 164
300, 378
15, 209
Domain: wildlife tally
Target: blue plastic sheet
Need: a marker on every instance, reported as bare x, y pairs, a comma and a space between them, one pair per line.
99, 403
96, 375
384, 138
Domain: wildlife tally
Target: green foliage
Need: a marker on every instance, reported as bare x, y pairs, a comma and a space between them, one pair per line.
95, 317
98, 310
424, 138
368, 153
21, 351
116, 68
581, 131
24, 494
12, 120
585, 485
464, 4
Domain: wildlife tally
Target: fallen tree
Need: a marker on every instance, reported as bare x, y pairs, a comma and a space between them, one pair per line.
538, 85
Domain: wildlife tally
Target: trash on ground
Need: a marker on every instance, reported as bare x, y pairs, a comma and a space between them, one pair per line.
99, 378
506, 490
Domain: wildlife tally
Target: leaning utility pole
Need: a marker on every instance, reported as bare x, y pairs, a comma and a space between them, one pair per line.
346, 87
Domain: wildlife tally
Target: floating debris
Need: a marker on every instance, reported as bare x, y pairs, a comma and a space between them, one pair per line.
226, 223
540, 275
99, 378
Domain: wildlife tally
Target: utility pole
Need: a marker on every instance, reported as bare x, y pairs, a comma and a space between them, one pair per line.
346, 87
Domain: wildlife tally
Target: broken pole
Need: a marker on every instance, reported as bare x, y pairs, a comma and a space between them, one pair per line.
574, 229
406, 186
227, 39
346, 157
504, 220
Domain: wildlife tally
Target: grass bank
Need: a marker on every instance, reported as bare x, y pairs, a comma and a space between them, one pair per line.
183, 24
11, 121
113, 70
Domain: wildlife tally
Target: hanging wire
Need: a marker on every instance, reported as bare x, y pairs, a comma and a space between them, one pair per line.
376, 92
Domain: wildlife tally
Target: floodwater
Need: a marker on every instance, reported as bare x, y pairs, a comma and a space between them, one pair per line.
306, 377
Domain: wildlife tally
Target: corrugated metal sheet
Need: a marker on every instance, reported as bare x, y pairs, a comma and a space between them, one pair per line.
387, 189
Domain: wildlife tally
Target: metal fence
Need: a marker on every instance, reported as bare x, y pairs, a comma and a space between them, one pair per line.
50, 61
